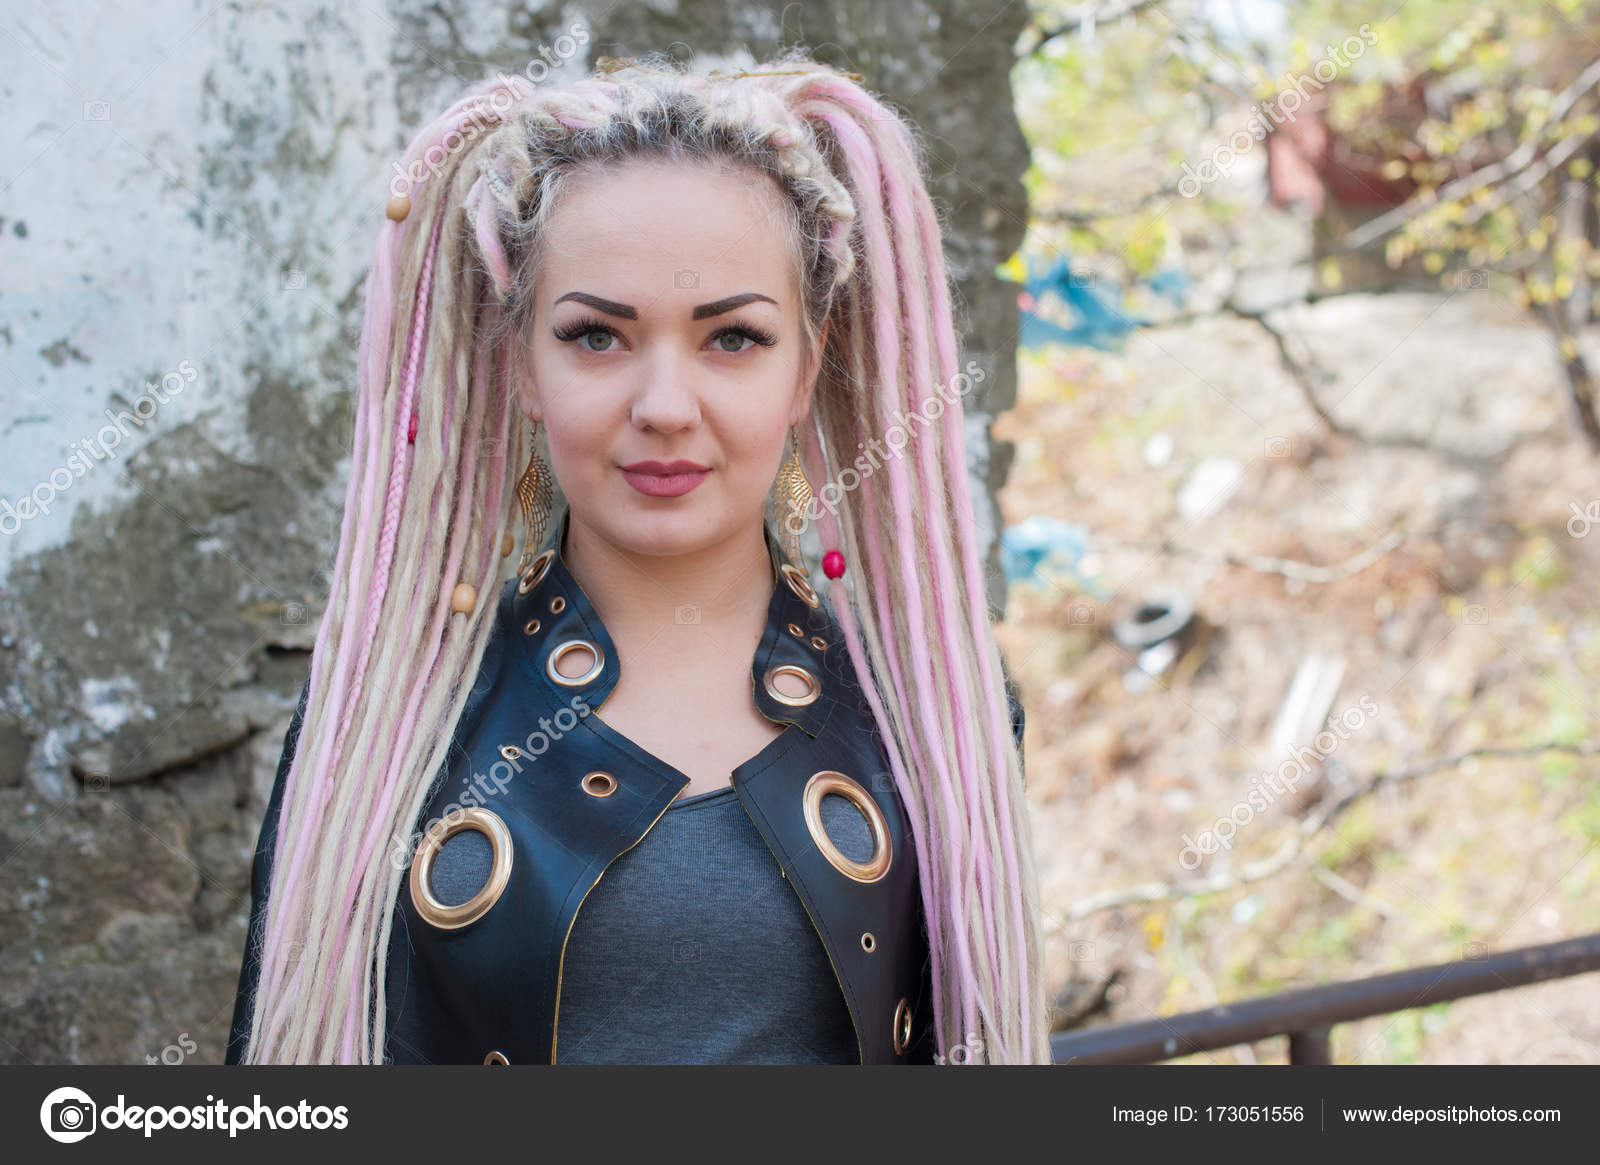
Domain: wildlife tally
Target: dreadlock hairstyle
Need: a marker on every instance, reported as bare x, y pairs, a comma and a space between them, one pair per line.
437, 446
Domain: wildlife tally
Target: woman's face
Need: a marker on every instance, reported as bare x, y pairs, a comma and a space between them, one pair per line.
667, 328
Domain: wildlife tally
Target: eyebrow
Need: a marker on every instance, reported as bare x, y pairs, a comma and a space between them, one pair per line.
628, 312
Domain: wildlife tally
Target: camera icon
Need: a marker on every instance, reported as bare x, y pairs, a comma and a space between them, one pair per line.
1080, 613
67, 1115
292, 613
97, 782
685, 279
294, 280
686, 614
1475, 613
1083, 278
1278, 448
1475, 952
492, 447
1081, 951
685, 951
1475, 280
96, 111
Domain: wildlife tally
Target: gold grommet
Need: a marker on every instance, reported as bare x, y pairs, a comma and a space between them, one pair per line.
819, 643
798, 584
510, 751
452, 917
794, 630
530, 627
561, 652
902, 1026
813, 685
599, 783
536, 571
829, 781
557, 605
868, 943
496, 1058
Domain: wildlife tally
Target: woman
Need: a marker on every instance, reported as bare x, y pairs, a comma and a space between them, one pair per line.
695, 284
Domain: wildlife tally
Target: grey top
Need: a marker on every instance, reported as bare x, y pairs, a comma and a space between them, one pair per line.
693, 948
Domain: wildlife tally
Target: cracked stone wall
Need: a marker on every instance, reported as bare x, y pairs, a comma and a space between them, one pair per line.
190, 199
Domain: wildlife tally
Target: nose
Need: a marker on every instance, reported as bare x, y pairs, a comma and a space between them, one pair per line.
665, 398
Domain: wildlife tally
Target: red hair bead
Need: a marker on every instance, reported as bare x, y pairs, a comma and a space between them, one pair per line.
833, 564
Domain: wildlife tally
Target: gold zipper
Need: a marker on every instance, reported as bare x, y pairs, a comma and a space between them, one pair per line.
555, 1018
855, 1027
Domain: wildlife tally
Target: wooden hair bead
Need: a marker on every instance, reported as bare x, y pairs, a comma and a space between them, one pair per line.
464, 598
399, 206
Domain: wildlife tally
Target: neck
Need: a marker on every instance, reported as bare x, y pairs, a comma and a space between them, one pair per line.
661, 601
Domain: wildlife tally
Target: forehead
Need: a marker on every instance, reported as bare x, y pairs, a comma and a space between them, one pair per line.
641, 226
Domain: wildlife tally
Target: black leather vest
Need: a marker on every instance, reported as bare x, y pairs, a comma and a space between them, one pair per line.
561, 795
484, 981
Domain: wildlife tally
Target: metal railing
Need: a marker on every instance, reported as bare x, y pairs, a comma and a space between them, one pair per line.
1307, 1015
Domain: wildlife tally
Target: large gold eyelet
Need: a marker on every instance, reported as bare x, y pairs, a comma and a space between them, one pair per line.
813, 685
794, 629
453, 917
496, 1058
558, 604
819, 643
536, 571
902, 1026
829, 781
798, 584
599, 783
530, 627
562, 651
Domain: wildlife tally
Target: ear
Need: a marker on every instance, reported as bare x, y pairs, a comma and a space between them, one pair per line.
808, 383
528, 393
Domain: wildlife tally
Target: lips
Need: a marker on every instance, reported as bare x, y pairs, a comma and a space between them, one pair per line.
665, 479
665, 468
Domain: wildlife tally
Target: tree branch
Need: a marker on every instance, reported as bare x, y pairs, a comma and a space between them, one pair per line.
1294, 849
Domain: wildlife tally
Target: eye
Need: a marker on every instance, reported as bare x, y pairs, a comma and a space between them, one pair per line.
581, 329
739, 332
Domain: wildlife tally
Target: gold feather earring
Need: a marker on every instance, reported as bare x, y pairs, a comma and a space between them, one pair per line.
794, 499
533, 493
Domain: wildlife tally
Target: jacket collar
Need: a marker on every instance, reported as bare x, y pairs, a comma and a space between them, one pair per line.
550, 618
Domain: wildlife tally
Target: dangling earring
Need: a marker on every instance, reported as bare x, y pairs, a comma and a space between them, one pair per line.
533, 493
794, 498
